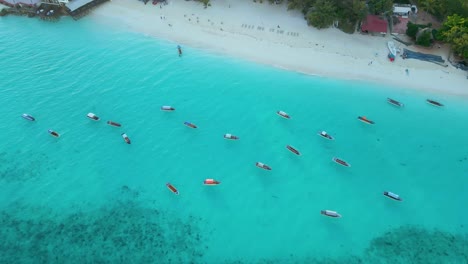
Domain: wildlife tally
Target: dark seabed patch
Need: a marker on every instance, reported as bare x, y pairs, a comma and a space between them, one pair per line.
21, 166
121, 232
407, 244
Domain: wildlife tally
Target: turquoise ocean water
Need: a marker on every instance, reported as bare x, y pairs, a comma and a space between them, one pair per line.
87, 197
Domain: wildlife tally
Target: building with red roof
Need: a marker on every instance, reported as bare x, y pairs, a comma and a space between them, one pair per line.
374, 24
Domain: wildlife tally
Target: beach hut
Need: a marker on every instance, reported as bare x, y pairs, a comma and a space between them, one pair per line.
374, 24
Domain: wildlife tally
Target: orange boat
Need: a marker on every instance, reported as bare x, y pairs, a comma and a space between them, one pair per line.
365, 120
190, 124
112, 123
211, 182
283, 114
262, 166
172, 188
293, 150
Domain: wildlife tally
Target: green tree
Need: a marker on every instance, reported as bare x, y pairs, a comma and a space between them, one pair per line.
378, 7
358, 10
425, 39
303, 5
428, 5
322, 14
455, 31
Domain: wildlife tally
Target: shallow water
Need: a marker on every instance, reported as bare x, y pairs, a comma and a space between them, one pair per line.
89, 194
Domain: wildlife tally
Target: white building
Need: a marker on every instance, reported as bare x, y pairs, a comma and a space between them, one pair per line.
404, 10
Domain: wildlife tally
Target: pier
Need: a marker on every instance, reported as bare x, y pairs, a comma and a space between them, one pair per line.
80, 8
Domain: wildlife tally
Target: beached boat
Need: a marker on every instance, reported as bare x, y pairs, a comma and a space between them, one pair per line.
28, 117
112, 123
435, 103
92, 116
365, 120
330, 213
293, 150
394, 102
167, 108
172, 188
126, 138
262, 166
283, 114
231, 137
341, 162
190, 124
393, 196
324, 134
392, 48
211, 182
53, 133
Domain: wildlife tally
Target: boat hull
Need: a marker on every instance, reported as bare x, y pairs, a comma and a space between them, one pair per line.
293, 150
28, 117
341, 162
394, 102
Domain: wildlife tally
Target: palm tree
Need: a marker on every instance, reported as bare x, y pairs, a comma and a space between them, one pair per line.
428, 6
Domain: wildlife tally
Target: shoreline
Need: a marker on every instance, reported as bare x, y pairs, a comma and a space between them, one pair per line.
265, 29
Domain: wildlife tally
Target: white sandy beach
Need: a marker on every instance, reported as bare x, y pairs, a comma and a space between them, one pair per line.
270, 34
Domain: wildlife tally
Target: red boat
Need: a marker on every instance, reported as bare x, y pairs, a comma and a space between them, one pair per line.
330, 213
283, 114
293, 150
190, 124
125, 137
230, 136
341, 162
365, 120
211, 182
53, 133
393, 196
112, 123
172, 188
262, 166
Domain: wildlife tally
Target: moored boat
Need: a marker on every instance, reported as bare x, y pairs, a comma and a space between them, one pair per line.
112, 123
393, 196
230, 136
262, 166
211, 182
126, 138
293, 150
190, 124
28, 117
92, 116
341, 162
435, 103
330, 213
365, 120
167, 108
283, 114
53, 133
394, 102
172, 188
324, 134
